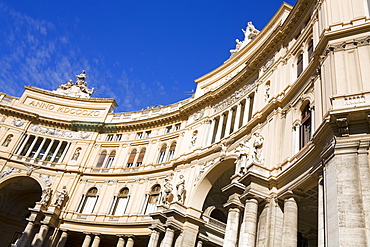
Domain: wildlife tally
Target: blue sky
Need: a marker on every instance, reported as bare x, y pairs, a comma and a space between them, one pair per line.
140, 52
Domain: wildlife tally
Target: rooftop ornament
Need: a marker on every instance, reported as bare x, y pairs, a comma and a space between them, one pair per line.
78, 89
250, 33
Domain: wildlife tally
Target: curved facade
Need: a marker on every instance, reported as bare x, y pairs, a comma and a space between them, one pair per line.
272, 149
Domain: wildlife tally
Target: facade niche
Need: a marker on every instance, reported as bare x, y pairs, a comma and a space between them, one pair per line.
305, 128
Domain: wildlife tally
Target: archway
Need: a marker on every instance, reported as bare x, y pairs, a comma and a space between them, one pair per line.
16, 196
210, 179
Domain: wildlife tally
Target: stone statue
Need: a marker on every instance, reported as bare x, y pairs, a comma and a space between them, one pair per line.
7, 140
257, 147
250, 32
180, 187
76, 154
167, 191
61, 197
194, 138
45, 196
267, 92
78, 89
242, 150
239, 45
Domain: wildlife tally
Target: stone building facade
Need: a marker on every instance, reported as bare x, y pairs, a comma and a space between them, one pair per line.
271, 150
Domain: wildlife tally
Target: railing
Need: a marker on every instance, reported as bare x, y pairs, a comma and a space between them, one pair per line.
213, 222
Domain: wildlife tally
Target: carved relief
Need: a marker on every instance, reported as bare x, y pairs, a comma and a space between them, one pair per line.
9, 170
47, 179
84, 135
232, 99
17, 122
50, 131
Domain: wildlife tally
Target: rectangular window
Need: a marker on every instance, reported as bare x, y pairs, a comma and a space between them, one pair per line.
168, 129
118, 137
147, 134
178, 126
299, 65
139, 135
109, 138
310, 50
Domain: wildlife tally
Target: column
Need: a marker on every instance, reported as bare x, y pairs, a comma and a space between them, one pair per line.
290, 223
237, 116
48, 149
154, 237
41, 235
121, 241
96, 241
63, 239
228, 122
168, 237
40, 147
246, 110
56, 151
248, 228
87, 240
31, 147
200, 243
320, 214
64, 153
25, 235
130, 242
23, 144
219, 128
232, 225
210, 132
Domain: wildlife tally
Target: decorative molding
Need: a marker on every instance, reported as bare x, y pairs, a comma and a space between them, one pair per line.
31, 168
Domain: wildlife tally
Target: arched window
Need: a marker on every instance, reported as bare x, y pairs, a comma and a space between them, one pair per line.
88, 201
299, 64
172, 151
141, 157
131, 158
101, 159
120, 202
218, 215
305, 129
7, 140
310, 49
162, 153
152, 199
110, 160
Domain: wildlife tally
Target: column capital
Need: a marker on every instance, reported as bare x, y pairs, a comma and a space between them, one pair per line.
289, 195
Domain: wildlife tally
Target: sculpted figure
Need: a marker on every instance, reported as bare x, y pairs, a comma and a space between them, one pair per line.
167, 191
61, 197
194, 138
180, 186
7, 140
242, 150
76, 154
257, 146
250, 32
45, 196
